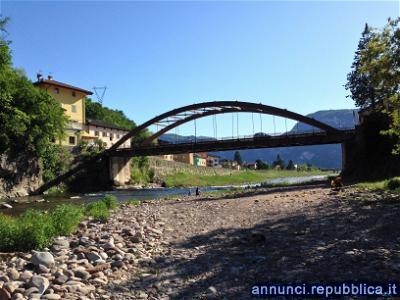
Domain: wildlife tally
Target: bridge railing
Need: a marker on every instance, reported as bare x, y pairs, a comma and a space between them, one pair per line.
262, 135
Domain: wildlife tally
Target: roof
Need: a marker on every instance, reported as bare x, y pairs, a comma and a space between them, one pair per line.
105, 125
63, 85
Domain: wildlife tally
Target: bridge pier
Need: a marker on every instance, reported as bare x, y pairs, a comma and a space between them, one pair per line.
120, 170
344, 156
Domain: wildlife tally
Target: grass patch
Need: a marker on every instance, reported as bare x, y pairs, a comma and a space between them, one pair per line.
242, 177
36, 229
110, 201
98, 210
9, 233
66, 218
133, 202
388, 184
56, 191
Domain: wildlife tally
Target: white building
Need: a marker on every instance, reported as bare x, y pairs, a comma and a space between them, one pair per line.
108, 134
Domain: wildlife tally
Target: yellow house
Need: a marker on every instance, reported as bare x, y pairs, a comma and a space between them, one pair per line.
72, 100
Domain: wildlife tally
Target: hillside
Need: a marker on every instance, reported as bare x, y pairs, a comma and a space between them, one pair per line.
323, 156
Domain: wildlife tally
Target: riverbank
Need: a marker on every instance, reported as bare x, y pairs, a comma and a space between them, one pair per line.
234, 178
48, 202
211, 248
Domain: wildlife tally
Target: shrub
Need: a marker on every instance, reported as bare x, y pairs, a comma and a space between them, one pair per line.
8, 233
393, 184
98, 210
65, 218
110, 201
35, 230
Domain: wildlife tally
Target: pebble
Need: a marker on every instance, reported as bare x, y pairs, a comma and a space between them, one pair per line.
81, 272
61, 243
52, 297
93, 256
39, 282
77, 266
13, 274
212, 289
42, 258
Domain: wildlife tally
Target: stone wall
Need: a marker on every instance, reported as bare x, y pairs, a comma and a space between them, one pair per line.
19, 175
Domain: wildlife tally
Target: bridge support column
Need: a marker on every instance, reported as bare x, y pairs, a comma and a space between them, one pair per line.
120, 170
344, 156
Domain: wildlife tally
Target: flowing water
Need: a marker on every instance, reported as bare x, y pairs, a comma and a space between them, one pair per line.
47, 202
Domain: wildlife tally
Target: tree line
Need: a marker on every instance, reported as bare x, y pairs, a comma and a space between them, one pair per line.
278, 163
374, 79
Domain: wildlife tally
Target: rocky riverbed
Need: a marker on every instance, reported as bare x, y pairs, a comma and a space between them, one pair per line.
216, 248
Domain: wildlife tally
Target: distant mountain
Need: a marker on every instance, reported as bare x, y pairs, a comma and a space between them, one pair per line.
176, 139
323, 156
340, 118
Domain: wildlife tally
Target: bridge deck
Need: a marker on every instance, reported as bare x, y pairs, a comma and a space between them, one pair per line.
286, 140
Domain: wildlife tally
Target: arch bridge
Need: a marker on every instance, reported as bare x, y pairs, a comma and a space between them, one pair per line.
325, 135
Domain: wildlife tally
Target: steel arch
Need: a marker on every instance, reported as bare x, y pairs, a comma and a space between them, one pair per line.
179, 116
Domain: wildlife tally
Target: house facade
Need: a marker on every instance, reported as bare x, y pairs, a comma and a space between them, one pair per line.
72, 100
213, 161
108, 134
199, 161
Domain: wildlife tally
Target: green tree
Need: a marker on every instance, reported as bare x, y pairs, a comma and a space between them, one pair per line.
261, 165
238, 158
56, 160
96, 111
375, 77
358, 82
278, 162
290, 165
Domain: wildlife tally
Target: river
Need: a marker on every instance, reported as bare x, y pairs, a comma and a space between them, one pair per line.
19, 205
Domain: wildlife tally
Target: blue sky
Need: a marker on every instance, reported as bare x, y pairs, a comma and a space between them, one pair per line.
157, 56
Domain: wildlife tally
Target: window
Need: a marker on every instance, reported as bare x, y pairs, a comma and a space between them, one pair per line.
111, 136
72, 140
73, 108
56, 90
104, 133
96, 133
118, 136
73, 94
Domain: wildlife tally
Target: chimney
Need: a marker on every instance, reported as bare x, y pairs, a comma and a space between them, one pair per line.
39, 77
50, 77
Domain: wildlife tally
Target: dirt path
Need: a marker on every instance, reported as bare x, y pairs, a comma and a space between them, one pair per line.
218, 248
